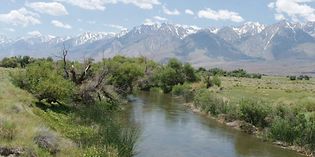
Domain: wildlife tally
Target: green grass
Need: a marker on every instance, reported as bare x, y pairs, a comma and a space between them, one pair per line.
88, 131
282, 109
272, 89
17, 116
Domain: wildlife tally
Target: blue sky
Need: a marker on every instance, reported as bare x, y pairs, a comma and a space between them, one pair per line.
71, 17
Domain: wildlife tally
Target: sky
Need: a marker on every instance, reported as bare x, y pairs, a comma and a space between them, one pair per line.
72, 17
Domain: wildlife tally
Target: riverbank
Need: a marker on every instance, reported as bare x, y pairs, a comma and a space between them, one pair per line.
241, 125
273, 108
20, 126
32, 128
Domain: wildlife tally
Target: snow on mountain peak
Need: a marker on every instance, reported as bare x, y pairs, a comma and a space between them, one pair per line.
180, 31
89, 37
249, 28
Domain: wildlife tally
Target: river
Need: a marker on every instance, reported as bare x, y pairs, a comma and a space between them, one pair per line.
170, 129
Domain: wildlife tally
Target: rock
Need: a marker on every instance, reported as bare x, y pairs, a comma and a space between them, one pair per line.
47, 140
234, 124
5, 151
248, 128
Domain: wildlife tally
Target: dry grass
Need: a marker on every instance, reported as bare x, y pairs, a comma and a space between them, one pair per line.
16, 110
274, 89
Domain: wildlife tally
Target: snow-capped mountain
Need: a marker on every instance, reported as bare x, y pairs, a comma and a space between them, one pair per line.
236, 33
161, 41
179, 31
90, 37
277, 41
249, 29
309, 27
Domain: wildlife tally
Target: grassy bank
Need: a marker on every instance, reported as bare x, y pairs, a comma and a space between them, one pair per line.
32, 128
19, 125
273, 108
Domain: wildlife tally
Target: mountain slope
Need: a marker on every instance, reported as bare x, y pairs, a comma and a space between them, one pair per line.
283, 40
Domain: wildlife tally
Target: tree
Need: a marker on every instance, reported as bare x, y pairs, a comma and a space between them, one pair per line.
217, 71
125, 75
11, 62
168, 78
25, 60
42, 79
189, 72
292, 78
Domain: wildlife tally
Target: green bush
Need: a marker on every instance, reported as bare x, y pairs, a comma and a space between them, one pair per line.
256, 76
216, 80
208, 102
169, 78
125, 75
254, 112
189, 72
11, 62
42, 79
282, 129
181, 89
292, 78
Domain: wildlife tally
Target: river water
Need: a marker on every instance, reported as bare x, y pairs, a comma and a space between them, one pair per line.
170, 129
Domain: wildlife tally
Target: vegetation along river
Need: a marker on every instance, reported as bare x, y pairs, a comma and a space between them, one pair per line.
170, 129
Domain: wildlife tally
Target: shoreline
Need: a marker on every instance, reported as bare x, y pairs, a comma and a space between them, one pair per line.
237, 125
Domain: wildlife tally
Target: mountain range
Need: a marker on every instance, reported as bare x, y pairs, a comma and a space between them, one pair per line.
249, 42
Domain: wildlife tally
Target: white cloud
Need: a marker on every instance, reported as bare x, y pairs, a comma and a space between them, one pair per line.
271, 5
52, 8
170, 12
89, 4
143, 4
60, 24
20, 17
101, 4
154, 20
279, 17
34, 33
189, 12
220, 15
115, 26
160, 18
296, 10
149, 22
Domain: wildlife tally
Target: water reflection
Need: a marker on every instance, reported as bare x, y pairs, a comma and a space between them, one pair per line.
169, 129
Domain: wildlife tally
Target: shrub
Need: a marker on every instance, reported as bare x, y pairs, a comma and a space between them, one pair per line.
7, 129
254, 112
216, 80
168, 78
292, 78
181, 89
306, 77
125, 76
282, 129
9, 62
217, 71
189, 72
42, 79
257, 76
47, 140
301, 77
309, 132
207, 102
